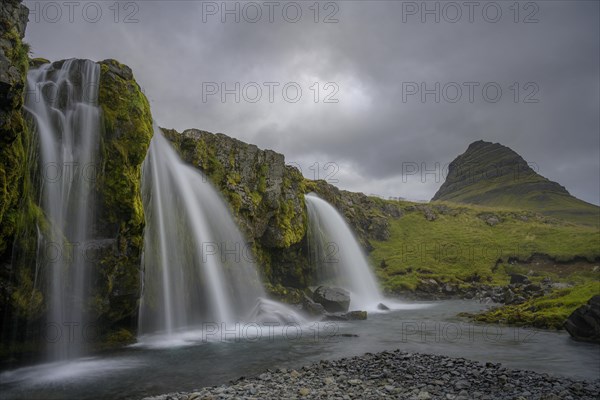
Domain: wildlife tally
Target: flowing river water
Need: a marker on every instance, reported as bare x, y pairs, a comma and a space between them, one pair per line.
215, 357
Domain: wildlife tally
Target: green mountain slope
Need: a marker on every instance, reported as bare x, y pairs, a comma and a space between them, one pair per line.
491, 174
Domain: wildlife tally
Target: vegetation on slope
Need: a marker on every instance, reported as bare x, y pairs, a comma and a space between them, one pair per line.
473, 245
494, 175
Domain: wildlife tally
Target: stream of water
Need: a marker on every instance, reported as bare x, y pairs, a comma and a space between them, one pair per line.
211, 359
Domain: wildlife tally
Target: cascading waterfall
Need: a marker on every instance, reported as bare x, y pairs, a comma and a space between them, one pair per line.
197, 266
337, 256
62, 100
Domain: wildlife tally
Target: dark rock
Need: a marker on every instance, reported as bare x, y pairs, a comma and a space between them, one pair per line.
518, 279
584, 323
332, 299
449, 289
356, 315
335, 317
509, 297
428, 286
382, 306
532, 288
311, 307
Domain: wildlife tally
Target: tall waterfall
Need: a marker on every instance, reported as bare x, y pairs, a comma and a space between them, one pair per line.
338, 258
196, 265
62, 100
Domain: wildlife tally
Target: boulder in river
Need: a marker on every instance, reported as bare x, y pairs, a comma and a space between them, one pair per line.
349, 316
333, 299
584, 323
312, 307
356, 315
382, 307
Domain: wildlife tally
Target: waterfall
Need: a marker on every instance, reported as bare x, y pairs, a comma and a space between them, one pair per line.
197, 267
337, 256
62, 101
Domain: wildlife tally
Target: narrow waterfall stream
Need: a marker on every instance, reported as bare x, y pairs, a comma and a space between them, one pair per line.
197, 267
63, 105
337, 256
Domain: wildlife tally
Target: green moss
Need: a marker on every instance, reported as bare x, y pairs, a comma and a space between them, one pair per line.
261, 187
284, 294
235, 200
549, 311
128, 129
292, 233
14, 143
121, 337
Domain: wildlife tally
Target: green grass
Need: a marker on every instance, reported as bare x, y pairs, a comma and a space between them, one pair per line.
545, 312
459, 244
460, 247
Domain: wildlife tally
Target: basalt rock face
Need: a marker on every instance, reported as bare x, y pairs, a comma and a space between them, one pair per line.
494, 175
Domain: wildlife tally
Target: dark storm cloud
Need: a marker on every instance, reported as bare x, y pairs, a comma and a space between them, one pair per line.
371, 133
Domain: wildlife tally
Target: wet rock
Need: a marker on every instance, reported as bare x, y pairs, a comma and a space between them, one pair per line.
312, 307
382, 307
584, 323
332, 299
356, 315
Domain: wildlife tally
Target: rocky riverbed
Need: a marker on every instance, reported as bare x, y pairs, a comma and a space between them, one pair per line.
397, 375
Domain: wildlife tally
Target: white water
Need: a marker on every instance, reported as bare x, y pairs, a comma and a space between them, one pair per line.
338, 258
63, 104
197, 267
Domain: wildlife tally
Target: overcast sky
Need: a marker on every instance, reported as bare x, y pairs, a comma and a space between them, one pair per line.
375, 58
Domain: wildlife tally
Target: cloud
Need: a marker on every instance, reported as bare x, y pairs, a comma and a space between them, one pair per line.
370, 58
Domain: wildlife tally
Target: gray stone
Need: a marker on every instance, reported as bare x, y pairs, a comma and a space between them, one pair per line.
332, 299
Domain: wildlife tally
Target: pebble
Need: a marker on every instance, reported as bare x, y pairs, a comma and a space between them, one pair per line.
415, 376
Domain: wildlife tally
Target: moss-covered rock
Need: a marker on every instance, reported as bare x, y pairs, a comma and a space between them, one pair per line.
265, 195
18, 297
126, 136
13, 141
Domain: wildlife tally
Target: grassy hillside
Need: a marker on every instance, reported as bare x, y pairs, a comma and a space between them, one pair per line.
462, 245
494, 175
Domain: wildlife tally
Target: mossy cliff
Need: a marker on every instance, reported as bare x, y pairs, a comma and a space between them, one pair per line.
13, 135
126, 136
15, 206
115, 248
265, 195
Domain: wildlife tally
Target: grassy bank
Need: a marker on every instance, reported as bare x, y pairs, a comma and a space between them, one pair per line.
466, 245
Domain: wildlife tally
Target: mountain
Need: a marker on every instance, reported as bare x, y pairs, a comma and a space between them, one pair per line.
491, 174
